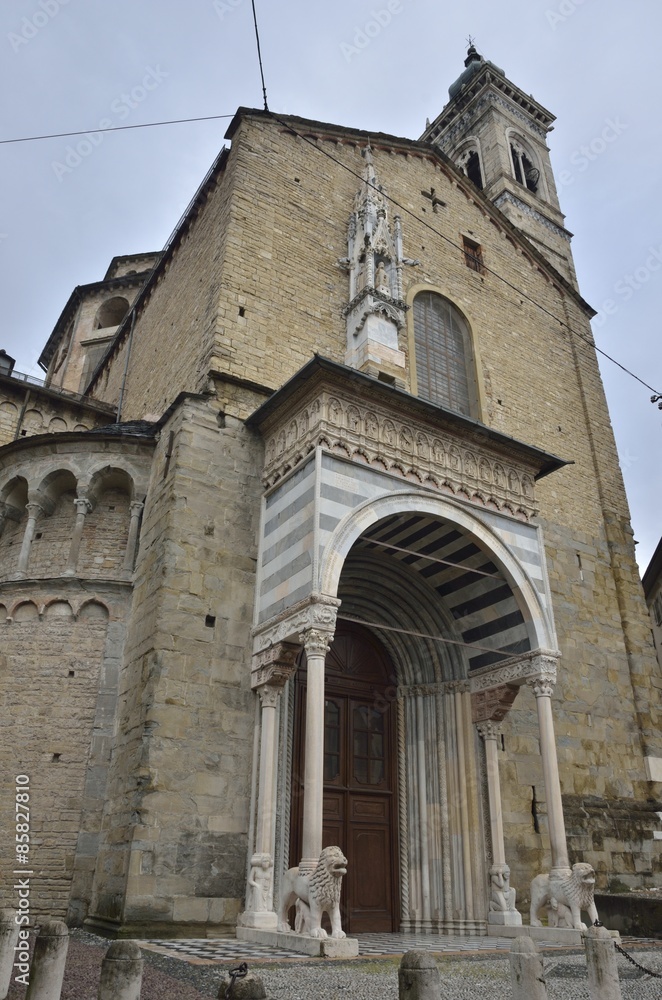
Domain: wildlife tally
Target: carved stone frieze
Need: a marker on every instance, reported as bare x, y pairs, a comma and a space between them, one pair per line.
462, 125
538, 216
409, 448
520, 670
274, 665
493, 704
316, 612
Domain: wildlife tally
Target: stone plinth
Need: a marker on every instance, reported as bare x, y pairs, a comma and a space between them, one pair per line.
552, 935
505, 918
301, 943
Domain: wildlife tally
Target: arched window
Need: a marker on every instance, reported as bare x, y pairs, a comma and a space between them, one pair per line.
469, 163
524, 169
111, 312
444, 363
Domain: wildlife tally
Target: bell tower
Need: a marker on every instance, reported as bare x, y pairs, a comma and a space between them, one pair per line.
496, 134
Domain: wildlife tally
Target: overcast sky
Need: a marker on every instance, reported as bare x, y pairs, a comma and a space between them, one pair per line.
73, 64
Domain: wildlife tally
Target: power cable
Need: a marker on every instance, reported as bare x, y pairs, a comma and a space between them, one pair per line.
114, 128
442, 236
425, 635
344, 166
259, 58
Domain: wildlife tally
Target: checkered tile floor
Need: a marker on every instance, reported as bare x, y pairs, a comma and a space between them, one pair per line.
222, 950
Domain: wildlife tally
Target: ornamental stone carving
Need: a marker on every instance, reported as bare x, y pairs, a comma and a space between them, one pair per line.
274, 665
260, 883
406, 447
493, 704
314, 895
316, 612
376, 311
531, 668
564, 893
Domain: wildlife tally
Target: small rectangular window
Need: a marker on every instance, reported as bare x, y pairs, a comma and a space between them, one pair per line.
473, 255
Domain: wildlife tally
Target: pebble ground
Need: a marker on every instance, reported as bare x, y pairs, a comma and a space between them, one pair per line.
482, 976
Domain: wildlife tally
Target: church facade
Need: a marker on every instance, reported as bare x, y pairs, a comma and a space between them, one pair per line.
315, 534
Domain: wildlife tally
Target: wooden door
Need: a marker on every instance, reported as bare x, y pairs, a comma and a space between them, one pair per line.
359, 777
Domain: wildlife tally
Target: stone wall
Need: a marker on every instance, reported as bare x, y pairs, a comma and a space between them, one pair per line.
175, 825
181, 313
26, 410
57, 643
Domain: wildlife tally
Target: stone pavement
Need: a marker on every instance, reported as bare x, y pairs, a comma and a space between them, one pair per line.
215, 950
470, 968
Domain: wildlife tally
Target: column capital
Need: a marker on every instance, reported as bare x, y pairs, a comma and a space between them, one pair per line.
34, 508
136, 507
316, 642
269, 694
489, 730
543, 687
82, 505
274, 665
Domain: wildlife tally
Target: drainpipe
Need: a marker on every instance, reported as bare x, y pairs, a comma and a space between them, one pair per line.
126, 367
22, 414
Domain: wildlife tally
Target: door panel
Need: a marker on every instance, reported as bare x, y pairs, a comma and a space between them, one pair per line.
359, 787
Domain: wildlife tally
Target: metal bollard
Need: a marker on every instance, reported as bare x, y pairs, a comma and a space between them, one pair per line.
121, 972
603, 982
50, 955
8, 940
526, 972
418, 977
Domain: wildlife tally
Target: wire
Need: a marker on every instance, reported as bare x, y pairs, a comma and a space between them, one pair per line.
259, 58
425, 635
427, 225
334, 159
114, 128
434, 559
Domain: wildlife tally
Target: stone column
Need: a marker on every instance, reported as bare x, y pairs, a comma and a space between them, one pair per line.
543, 687
502, 897
316, 644
4, 515
34, 510
136, 509
463, 792
490, 732
83, 507
272, 669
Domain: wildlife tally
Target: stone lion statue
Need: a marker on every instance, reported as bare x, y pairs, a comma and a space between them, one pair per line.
314, 895
572, 892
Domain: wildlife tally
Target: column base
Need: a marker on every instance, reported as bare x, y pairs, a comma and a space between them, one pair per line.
301, 943
266, 919
505, 918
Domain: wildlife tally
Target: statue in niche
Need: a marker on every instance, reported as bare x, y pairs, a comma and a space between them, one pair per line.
260, 880
382, 281
502, 896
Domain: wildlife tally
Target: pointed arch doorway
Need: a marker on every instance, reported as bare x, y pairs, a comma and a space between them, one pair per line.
360, 775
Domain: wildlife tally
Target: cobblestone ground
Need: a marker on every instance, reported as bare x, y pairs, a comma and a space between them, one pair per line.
480, 974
